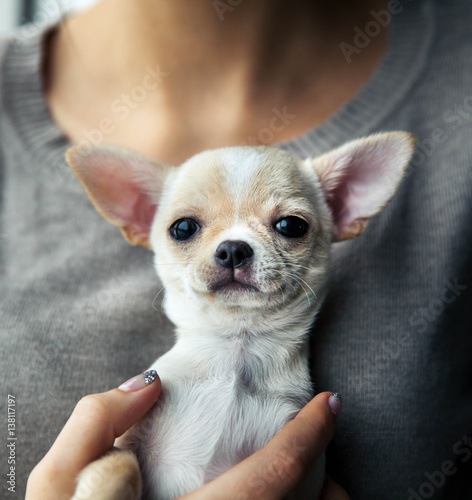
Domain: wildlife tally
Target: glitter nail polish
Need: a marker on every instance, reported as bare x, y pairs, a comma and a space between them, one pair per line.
335, 403
139, 381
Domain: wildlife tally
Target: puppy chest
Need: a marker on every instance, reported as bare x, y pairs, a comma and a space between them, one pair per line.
209, 427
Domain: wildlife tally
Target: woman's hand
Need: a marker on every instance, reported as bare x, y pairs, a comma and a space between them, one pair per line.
270, 473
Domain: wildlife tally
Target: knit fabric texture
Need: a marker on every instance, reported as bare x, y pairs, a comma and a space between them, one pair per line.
78, 306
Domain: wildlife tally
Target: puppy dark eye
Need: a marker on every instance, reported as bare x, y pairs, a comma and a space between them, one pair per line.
292, 227
183, 229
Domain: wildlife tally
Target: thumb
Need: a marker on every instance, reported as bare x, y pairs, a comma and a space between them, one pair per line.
100, 418
278, 467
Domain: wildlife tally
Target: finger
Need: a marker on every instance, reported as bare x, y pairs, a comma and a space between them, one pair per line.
276, 469
95, 423
332, 491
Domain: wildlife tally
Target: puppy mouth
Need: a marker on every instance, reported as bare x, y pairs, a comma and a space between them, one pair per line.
233, 284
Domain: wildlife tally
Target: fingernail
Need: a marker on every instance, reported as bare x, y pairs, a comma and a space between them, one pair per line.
335, 403
136, 383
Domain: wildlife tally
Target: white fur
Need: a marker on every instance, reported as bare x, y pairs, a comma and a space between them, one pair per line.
238, 371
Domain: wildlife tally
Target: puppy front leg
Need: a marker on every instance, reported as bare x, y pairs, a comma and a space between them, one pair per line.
115, 476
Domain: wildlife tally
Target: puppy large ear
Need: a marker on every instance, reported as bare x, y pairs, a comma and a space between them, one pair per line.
360, 177
123, 185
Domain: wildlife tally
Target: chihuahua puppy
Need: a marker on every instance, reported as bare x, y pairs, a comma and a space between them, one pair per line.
242, 240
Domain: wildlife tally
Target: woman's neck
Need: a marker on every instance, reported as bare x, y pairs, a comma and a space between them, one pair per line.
224, 68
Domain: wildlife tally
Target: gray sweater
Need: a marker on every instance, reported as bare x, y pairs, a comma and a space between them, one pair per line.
395, 333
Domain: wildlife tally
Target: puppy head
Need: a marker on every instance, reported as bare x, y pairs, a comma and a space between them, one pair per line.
242, 232
248, 228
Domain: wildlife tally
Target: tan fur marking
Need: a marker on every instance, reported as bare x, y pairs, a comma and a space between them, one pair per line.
114, 476
356, 230
127, 231
133, 238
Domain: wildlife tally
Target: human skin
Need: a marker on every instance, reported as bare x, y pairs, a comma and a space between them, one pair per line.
99, 419
224, 76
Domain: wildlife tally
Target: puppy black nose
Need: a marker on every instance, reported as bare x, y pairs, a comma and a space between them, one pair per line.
233, 254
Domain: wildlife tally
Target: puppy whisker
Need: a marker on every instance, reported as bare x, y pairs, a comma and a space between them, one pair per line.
304, 289
302, 282
154, 300
299, 280
297, 265
279, 286
309, 287
283, 275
